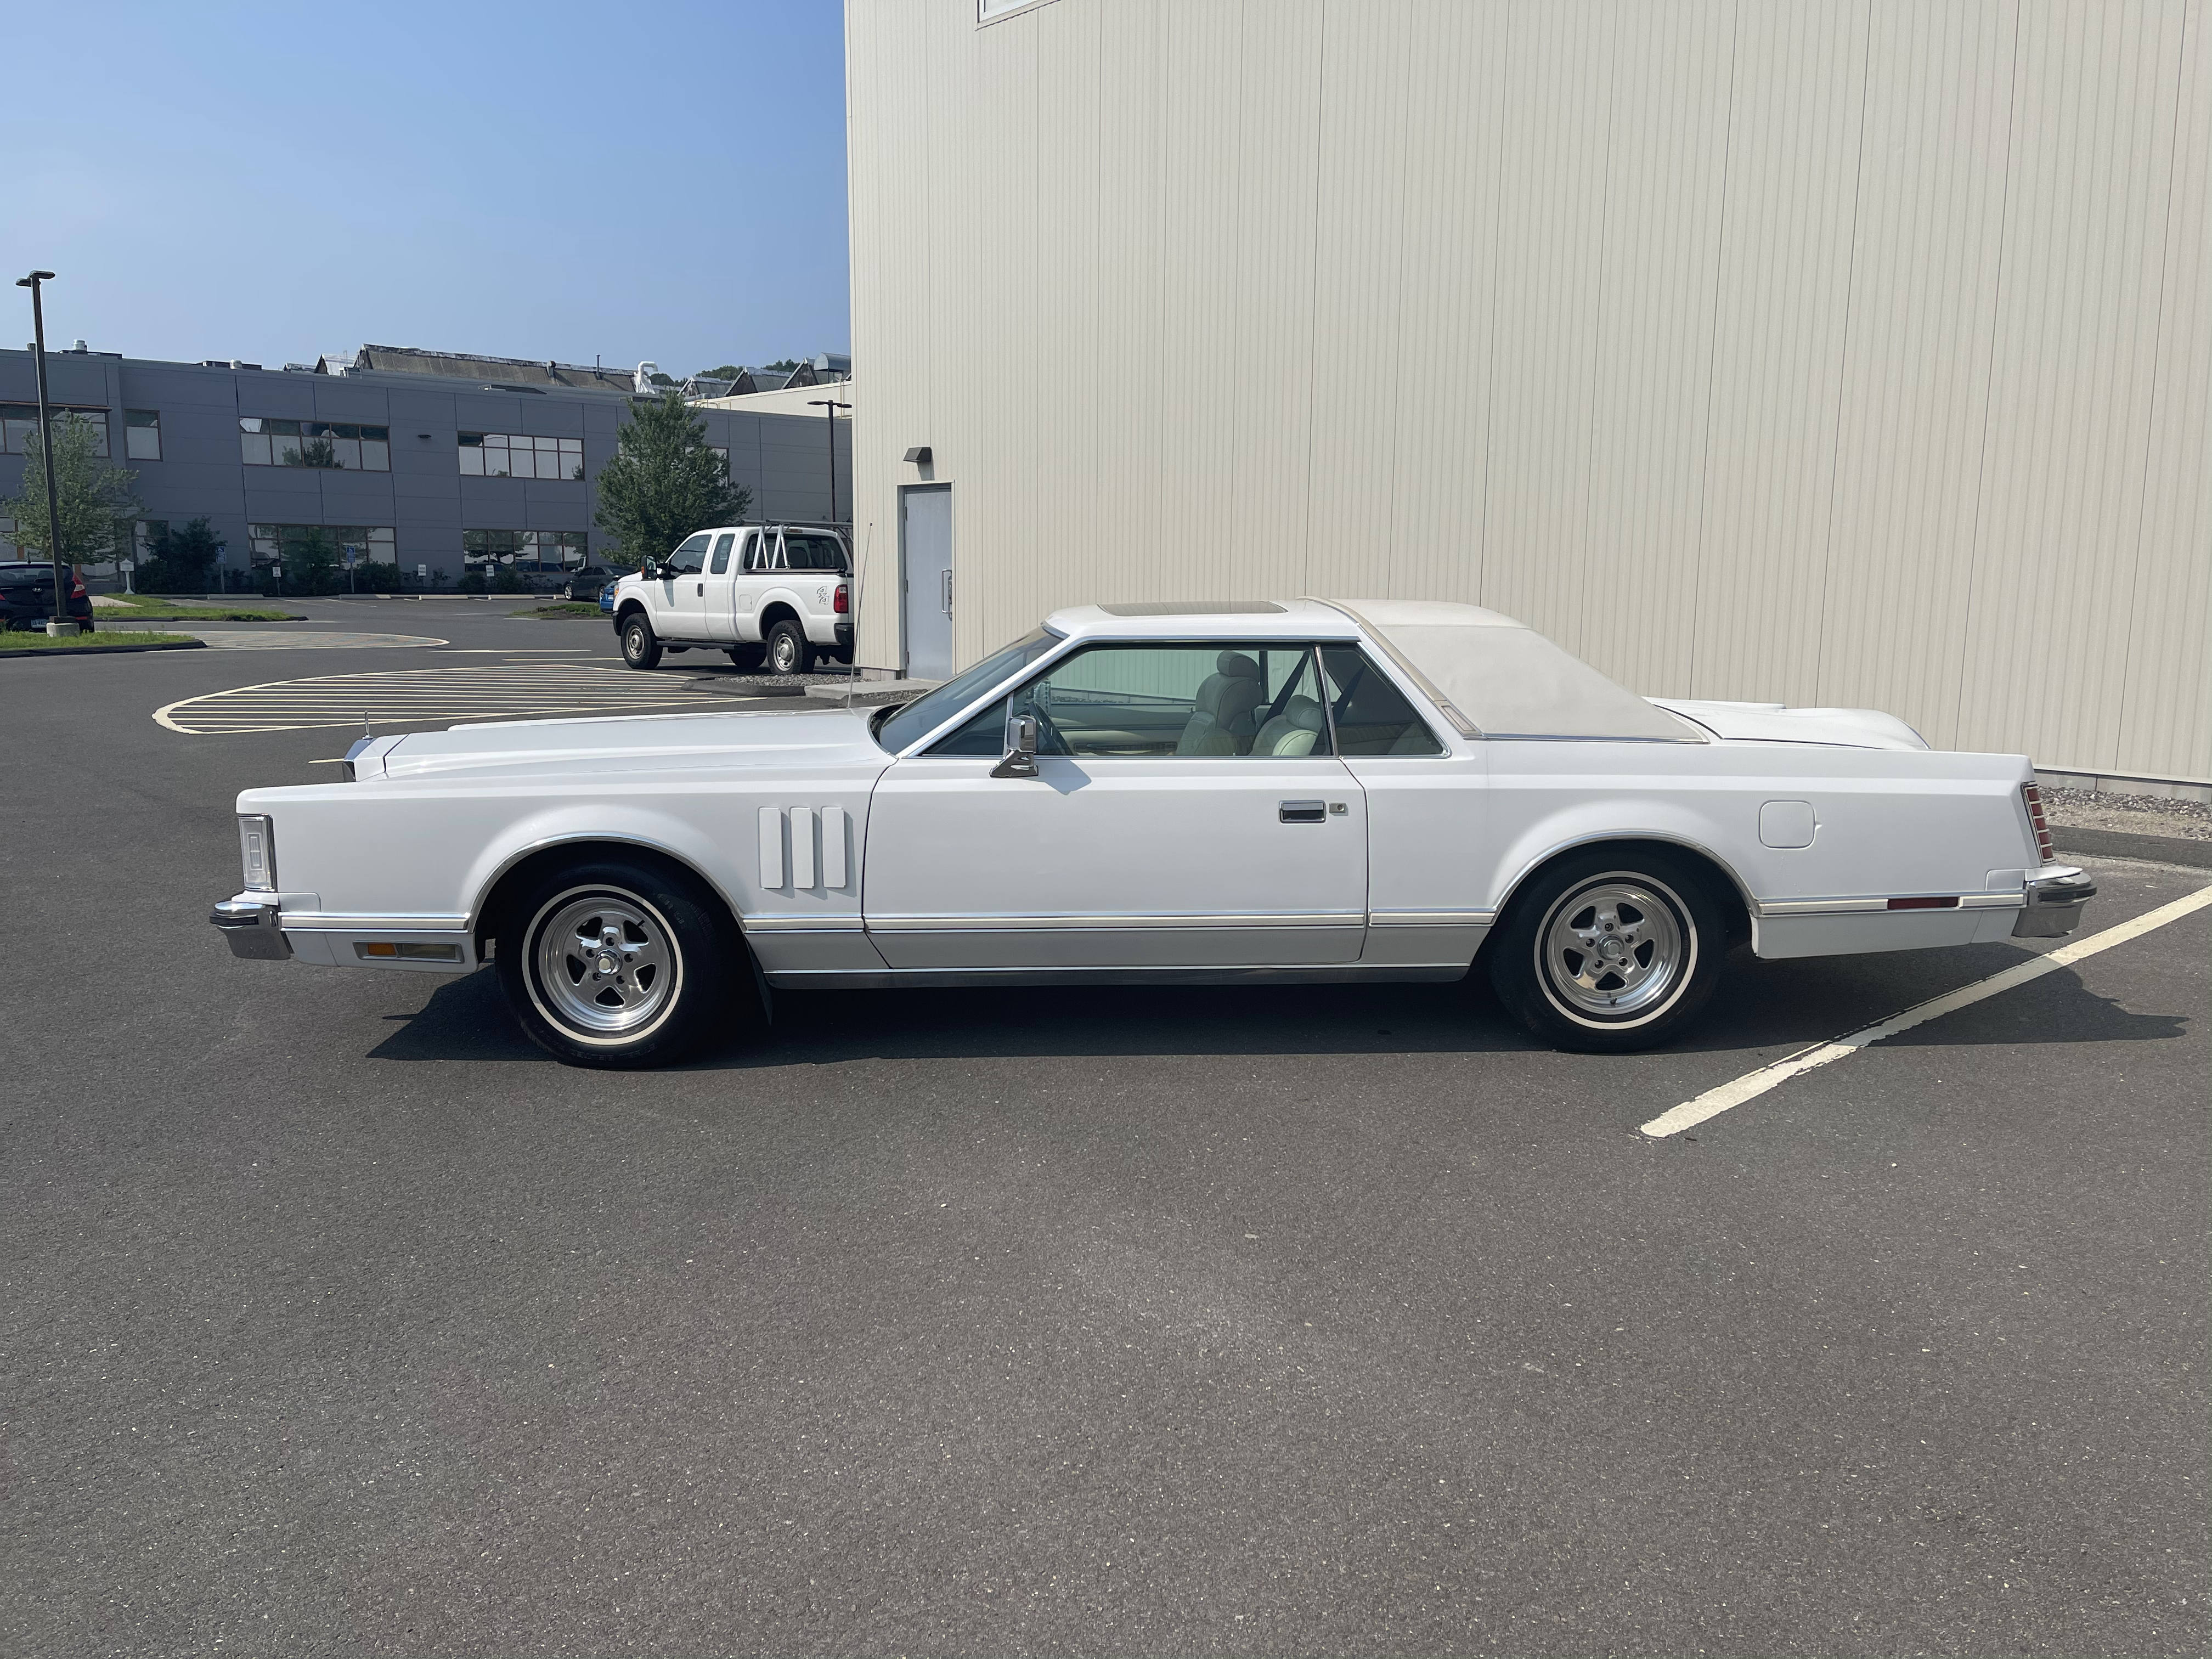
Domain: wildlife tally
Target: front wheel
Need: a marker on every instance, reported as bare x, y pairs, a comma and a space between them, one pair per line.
1609, 952
614, 962
789, 650
640, 649
747, 658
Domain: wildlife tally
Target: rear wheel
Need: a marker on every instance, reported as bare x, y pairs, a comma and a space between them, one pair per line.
1610, 951
615, 963
789, 650
639, 648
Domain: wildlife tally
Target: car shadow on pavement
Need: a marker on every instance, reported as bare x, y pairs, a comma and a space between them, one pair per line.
1759, 1007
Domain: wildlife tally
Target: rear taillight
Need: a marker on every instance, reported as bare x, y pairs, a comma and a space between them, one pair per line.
843, 602
77, 583
2033, 796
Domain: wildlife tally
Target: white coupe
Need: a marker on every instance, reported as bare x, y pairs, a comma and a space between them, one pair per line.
1301, 790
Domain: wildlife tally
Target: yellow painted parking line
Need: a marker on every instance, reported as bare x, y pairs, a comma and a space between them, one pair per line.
1751, 1085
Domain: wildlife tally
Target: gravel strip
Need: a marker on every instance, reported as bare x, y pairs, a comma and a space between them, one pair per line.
2139, 814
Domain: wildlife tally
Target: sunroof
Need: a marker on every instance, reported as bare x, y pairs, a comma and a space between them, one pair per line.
1198, 608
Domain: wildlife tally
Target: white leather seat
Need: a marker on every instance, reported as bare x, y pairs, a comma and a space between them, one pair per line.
1296, 730
1222, 722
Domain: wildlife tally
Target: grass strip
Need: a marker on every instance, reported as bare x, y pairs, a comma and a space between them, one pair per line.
576, 608
14, 643
144, 608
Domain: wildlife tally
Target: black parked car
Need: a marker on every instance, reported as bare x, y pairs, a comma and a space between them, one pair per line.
586, 584
27, 596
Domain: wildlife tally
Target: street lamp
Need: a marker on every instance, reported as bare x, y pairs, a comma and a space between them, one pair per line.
829, 406
60, 623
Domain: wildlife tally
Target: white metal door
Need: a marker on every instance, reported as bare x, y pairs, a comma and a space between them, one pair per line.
926, 580
1177, 861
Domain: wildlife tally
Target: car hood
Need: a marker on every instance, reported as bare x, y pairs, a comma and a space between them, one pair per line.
635, 743
1774, 722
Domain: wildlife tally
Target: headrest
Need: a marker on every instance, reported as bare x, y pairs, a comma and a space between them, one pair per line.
1237, 666
1304, 714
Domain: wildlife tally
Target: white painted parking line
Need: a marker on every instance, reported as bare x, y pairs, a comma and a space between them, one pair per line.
431, 696
1751, 1085
229, 639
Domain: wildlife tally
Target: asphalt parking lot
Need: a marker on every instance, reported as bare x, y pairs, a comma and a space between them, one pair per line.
1307, 1321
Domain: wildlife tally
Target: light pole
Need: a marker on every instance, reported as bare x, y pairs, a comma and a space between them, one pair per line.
60, 623
829, 406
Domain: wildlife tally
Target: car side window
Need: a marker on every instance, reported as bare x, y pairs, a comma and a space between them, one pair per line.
721, 553
814, 553
1370, 716
1146, 701
689, 559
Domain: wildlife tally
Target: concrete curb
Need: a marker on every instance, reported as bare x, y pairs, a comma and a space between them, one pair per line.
2126, 844
110, 650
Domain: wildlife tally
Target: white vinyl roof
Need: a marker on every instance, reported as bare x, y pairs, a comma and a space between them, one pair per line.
1504, 679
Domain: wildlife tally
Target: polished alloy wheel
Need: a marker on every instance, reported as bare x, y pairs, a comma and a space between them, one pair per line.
605, 965
1612, 947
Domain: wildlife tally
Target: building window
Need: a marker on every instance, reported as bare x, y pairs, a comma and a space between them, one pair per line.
524, 549
339, 445
141, 433
722, 450
349, 544
9, 551
511, 455
19, 422
146, 539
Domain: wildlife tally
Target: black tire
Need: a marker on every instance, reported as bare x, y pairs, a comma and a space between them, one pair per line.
639, 648
1610, 950
678, 976
789, 650
748, 658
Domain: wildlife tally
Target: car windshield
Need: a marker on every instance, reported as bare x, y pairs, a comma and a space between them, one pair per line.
931, 709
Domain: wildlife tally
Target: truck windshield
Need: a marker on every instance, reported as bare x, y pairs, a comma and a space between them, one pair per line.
931, 709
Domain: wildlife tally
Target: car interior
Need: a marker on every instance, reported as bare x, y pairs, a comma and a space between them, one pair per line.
1208, 700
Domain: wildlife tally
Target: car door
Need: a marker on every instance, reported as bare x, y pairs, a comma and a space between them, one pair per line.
1188, 813
680, 594
716, 586
756, 572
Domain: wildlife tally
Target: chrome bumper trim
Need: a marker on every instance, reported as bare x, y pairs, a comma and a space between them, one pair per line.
251, 930
2056, 896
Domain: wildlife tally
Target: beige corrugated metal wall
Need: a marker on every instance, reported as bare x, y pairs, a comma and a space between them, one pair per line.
1846, 353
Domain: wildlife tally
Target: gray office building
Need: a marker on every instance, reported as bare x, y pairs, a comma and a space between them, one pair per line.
435, 461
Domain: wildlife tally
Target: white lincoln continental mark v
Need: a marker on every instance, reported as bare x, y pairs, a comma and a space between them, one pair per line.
1300, 790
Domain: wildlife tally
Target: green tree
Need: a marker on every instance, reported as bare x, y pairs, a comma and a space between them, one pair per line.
313, 451
183, 560
98, 502
311, 561
727, 372
664, 483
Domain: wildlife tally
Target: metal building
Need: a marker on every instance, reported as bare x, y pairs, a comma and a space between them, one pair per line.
436, 460
1851, 353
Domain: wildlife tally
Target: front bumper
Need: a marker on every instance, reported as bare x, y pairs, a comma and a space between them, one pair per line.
251, 930
2057, 894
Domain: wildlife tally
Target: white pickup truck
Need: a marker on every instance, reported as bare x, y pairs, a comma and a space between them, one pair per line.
778, 593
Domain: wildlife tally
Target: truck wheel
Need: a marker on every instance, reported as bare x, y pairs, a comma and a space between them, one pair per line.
1609, 952
789, 650
639, 648
615, 963
747, 658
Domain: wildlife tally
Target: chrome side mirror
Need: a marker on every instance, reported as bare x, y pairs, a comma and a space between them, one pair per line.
1021, 749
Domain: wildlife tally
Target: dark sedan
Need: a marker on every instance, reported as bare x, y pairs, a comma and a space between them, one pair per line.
586, 584
27, 596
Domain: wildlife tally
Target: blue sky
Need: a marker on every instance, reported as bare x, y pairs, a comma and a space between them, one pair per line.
542, 179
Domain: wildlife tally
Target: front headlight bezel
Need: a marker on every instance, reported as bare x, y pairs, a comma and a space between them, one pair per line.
257, 851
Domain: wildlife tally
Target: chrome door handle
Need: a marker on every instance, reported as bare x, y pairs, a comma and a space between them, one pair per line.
1303, 812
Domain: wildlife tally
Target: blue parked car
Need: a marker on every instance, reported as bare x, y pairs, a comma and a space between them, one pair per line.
607, 600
